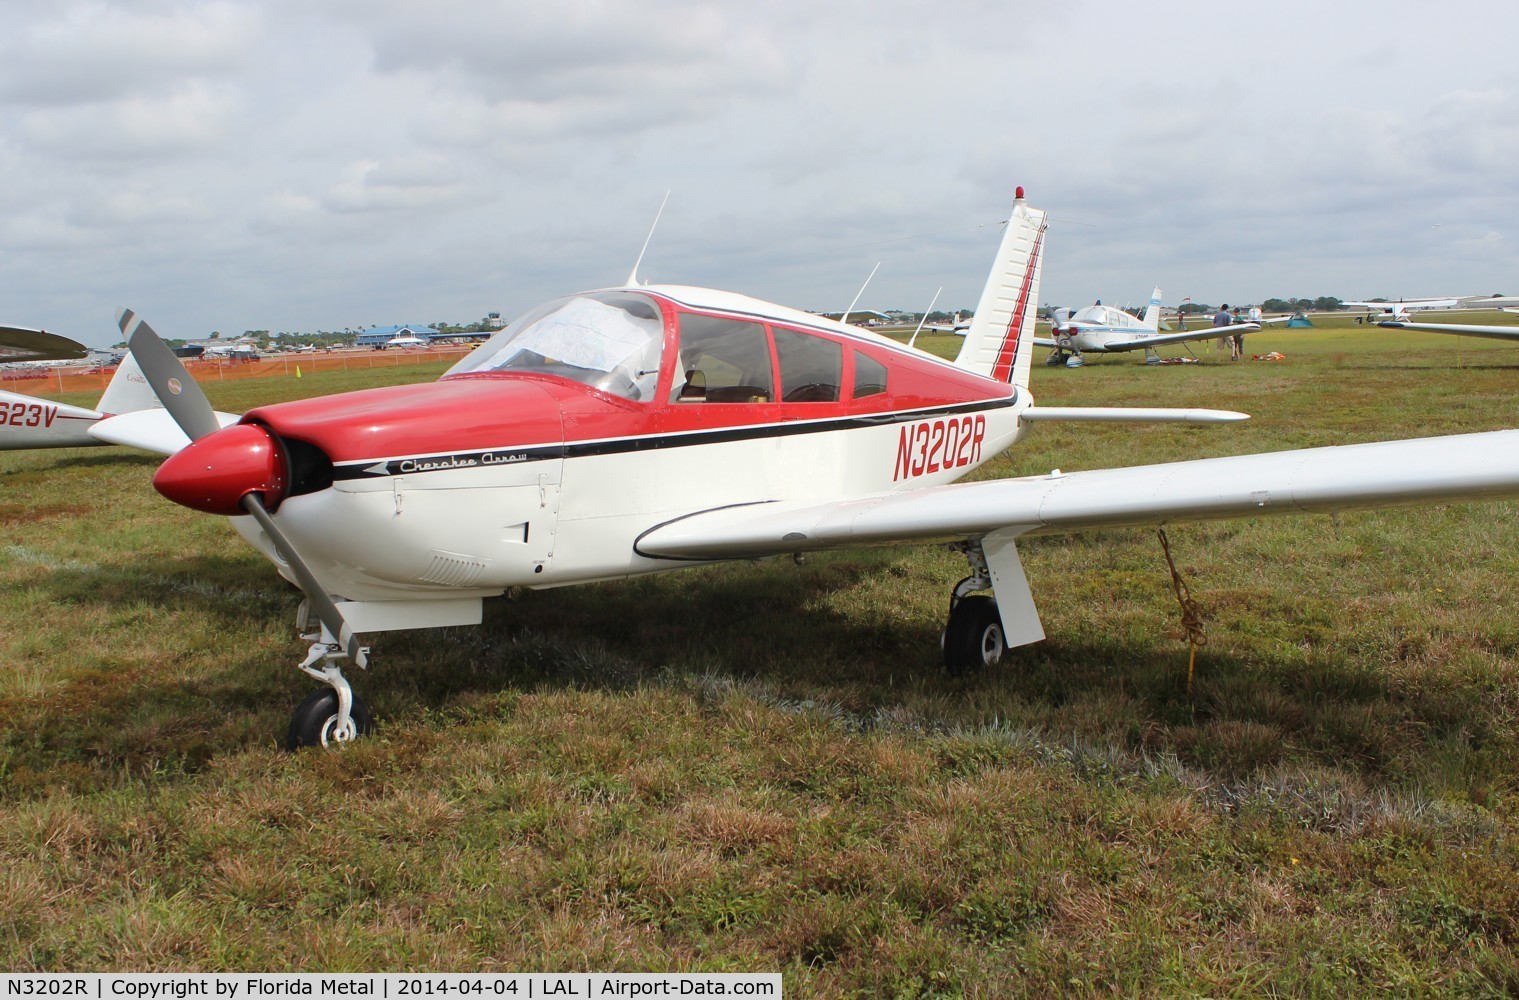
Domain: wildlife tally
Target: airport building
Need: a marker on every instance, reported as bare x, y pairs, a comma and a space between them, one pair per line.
381, 335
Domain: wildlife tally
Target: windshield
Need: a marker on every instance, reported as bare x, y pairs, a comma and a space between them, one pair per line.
610, 341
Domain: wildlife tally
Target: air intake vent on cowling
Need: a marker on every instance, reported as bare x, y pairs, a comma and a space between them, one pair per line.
451, 569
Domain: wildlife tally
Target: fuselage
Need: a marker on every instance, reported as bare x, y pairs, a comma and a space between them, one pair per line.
1095, 327
541, 458
30, 422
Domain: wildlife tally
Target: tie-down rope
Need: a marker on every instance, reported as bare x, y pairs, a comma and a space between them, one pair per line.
1191, 614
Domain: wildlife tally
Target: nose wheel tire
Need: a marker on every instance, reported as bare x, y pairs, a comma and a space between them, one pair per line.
973, 638
314, 723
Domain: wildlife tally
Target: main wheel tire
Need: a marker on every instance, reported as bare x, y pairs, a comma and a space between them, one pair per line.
973, 638
313, 721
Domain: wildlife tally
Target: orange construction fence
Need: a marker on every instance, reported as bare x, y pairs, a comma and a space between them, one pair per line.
48, 381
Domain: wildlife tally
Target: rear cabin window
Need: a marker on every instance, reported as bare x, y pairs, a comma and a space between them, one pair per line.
869, 376
722, 361
812, 368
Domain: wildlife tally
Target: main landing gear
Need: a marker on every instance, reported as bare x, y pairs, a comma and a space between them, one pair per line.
1067, 355
973, 639
334, 714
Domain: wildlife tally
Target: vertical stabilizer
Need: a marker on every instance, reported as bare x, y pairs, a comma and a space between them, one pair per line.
1151, 317
1000, 342
128, 390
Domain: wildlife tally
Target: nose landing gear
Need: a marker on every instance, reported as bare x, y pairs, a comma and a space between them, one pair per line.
333, 715
318, 721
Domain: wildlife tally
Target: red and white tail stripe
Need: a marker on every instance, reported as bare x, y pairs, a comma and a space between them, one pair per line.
1000, 341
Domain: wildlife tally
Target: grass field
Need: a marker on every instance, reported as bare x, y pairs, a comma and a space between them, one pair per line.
763, 767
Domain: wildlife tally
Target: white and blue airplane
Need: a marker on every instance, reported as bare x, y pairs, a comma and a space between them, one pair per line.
1108, 330
1402, 309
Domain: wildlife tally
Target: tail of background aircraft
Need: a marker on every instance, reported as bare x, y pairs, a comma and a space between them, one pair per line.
35, 422
128, 391
1000, 341
1151, 317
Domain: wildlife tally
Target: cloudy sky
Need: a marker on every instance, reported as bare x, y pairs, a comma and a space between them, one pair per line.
281, 165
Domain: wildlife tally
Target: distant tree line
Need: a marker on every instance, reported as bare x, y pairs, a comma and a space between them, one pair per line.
1324, 303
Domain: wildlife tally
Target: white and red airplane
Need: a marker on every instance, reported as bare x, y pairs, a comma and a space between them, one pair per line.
640, 429
1104, 329
34, 422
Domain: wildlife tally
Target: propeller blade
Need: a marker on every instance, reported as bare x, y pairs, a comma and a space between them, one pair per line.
326, 611
178, 392
183, 398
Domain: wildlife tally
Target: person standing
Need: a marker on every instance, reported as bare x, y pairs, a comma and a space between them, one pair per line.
1236, 344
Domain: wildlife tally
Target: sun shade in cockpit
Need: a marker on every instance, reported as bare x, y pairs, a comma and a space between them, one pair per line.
613, 346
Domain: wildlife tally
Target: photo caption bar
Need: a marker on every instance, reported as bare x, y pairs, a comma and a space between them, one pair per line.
387, 986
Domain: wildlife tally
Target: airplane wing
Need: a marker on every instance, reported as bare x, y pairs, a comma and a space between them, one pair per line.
1160, 340
1494, 332
17, 343
1404, 304
1044, 342
861, 313
1389, 473
152, 429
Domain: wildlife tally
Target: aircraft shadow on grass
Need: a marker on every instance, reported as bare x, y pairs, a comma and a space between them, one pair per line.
1465, 365
770, 629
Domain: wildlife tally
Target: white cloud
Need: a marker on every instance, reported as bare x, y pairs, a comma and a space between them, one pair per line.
286, 164
98, 51
192, 118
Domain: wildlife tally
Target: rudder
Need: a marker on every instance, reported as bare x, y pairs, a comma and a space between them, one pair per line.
1000, 341
128, 390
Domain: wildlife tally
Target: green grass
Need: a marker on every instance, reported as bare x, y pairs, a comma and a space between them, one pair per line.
763, 766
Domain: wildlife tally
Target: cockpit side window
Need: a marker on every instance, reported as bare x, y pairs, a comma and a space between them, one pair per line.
722, 361
869, 375
812, 368
610, 341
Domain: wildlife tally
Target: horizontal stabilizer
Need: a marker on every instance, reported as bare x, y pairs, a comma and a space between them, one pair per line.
1121, 414
151, 430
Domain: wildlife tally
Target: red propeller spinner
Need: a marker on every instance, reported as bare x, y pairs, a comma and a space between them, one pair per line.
215, 473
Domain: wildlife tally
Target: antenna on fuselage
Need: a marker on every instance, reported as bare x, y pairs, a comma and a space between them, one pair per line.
633, 275
925, 317
872, 274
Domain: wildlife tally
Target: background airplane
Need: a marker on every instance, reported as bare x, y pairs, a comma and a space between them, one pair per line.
1403, 308
33, 422
959, 325
641, 429
1108, 330
858, 317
